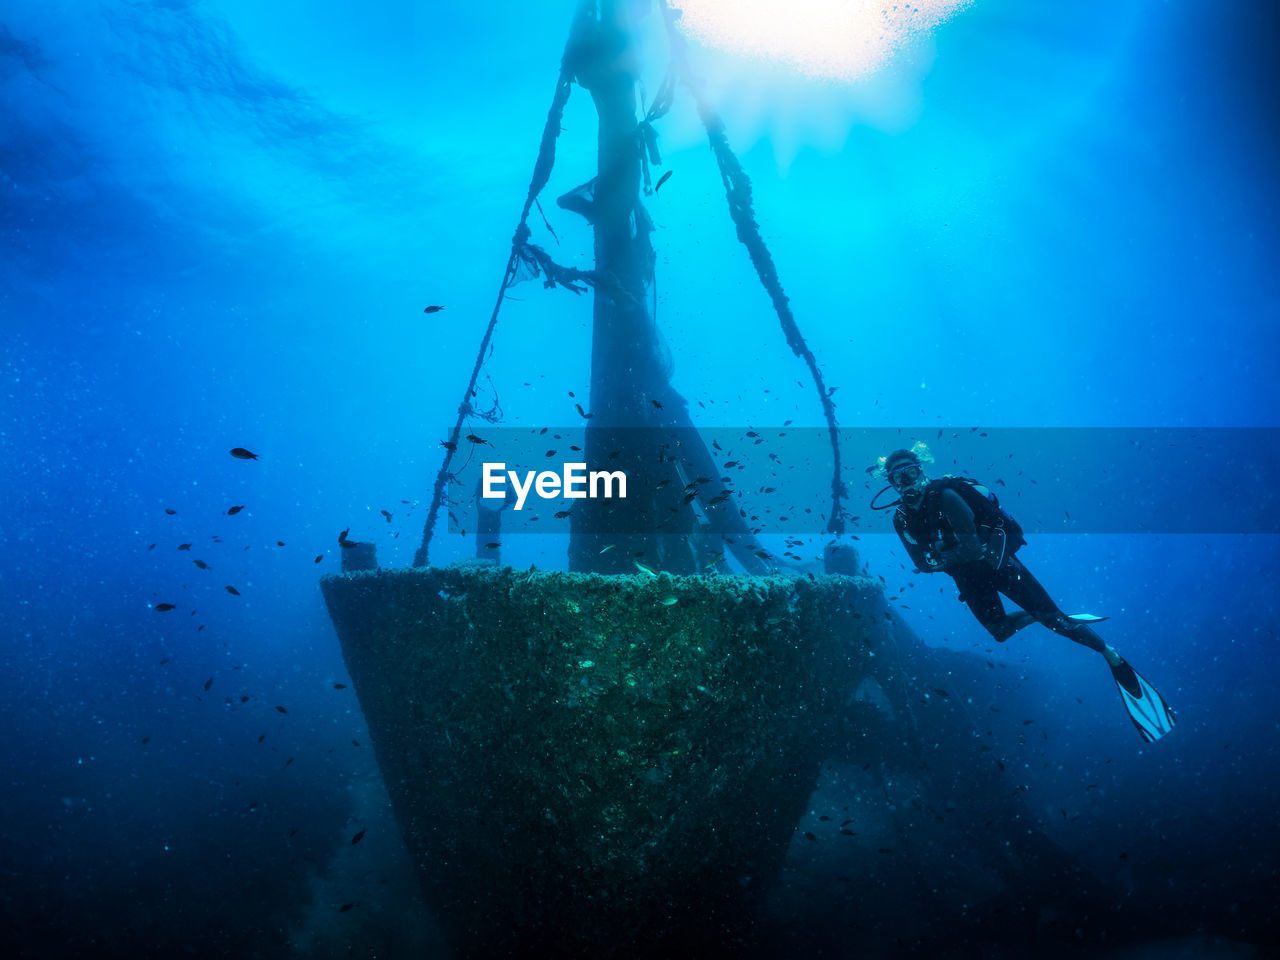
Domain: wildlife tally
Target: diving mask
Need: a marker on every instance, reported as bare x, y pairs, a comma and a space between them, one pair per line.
904, 475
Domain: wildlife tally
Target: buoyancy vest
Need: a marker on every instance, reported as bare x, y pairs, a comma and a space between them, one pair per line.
1000, 534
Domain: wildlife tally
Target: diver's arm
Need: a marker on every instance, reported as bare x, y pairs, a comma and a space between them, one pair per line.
914, 550
960, 518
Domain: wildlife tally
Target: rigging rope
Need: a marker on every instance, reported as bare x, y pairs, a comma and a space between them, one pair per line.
737, 187
541, 174
526, 257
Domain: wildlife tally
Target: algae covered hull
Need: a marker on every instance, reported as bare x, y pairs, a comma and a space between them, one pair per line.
586, 764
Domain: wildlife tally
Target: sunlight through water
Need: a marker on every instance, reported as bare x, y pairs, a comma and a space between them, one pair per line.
840, 40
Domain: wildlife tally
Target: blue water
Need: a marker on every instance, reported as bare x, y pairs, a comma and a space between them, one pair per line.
220, 223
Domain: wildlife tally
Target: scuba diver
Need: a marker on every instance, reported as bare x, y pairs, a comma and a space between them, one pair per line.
955, 525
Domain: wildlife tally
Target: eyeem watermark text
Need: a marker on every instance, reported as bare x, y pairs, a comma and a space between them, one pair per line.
573, 483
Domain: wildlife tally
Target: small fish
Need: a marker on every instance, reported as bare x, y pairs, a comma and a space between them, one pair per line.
608, 548
942, 693
293, 831
824, 817
146, 739
669, 601
656, 404
449, 445
339, 686
184, 546
357, 838
476, 440
208, 683
201, 564
170, 511
282, 710
342, 537
493, 546
387, 514
240, 453
232, 511
434, 308
1092, 786
643, 569
347, 906
583, 413
279, 543
561, 514
165, 660
152, 547
319, 558
661, 180
164, 607
233, 591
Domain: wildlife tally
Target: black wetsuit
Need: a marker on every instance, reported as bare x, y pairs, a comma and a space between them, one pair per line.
941, 533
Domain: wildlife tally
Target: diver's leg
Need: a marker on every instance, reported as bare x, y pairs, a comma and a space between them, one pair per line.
979, 591
1018, 584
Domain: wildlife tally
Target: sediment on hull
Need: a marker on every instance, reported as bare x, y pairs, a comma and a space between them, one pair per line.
598, 764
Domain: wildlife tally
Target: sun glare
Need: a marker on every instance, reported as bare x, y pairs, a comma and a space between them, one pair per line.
842, 40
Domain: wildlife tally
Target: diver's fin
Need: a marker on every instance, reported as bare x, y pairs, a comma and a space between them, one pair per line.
1147, 709
1085, 618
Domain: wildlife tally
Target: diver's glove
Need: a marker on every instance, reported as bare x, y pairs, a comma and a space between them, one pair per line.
949, 560
946, 559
